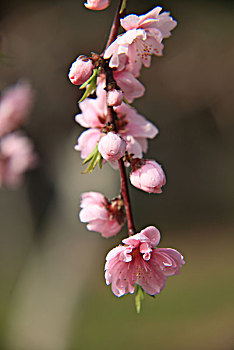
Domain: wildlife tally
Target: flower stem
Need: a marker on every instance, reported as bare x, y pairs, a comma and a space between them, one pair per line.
111, 118
115, 25
126, 198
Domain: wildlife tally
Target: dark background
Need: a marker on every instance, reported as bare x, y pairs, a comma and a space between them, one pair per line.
53, 294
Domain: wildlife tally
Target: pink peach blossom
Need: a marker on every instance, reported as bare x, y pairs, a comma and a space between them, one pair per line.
15, 106
132, 127
81, 70
97, 5
131, 87
94, 110
139, 262
103, 216
16, 157
114, 97
87, 141
137, 46
152, 21
111, 146
143, 37
147, 175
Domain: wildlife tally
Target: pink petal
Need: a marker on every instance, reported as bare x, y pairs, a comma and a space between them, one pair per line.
107, 228
113, 253
87, 141
143, 142
153, 234
89, 198
149, 277
133, 147
137, 126
93, 212
169, 260
129, 22
153, 14
131, 87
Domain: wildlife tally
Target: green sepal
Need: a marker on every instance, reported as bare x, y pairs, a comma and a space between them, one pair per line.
90, 85
138, 298
94, 157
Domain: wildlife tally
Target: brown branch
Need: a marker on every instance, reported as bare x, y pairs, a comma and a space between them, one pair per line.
115, 25
111, 118
126, 198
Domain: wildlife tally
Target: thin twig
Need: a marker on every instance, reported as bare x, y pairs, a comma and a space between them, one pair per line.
126, 198
111, 118
115, 25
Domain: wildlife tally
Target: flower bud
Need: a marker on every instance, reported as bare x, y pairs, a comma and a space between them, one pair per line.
112, 147
97, 5
114, 97
147, 175
81, 70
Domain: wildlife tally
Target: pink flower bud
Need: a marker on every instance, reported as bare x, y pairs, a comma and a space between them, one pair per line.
147, 175
114, 97
97, 5
112, 146
103, 216
81, 70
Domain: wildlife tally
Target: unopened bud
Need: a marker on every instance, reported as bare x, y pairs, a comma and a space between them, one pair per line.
97, 5
147, 175
114, 97
112, 147
81, 70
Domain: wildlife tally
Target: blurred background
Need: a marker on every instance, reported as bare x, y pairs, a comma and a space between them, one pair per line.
53, 294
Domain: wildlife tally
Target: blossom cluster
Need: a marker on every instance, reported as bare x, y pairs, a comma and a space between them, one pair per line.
16, 149
116, 133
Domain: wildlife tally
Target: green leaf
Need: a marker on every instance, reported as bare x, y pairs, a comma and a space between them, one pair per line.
89, 90
91, 165
138, 298
100, 159
90, 156
94, 157
90, 85
123, 7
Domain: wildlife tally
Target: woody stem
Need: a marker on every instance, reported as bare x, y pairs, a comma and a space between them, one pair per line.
126, 198
115, 25
111, 118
